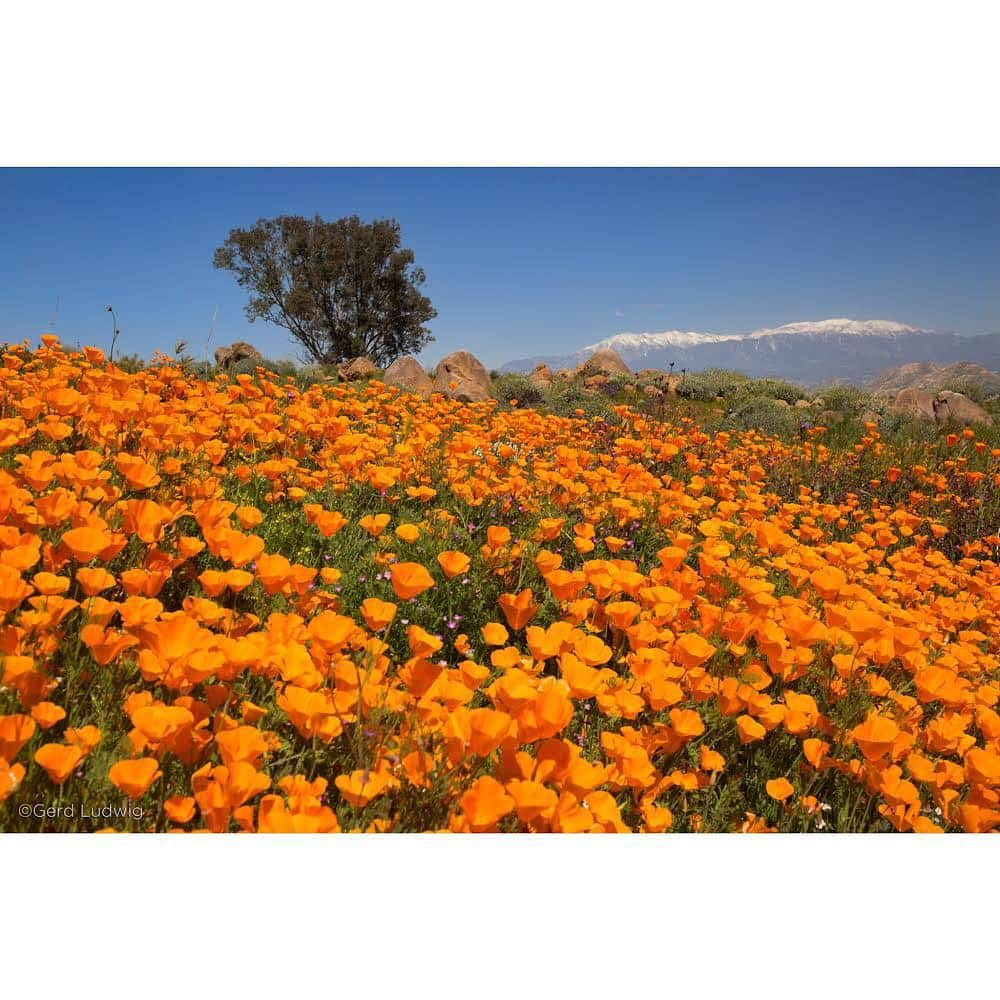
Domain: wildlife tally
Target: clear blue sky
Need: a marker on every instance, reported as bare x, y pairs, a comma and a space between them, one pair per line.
519, 261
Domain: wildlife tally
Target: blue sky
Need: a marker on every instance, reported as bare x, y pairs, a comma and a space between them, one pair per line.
519, 261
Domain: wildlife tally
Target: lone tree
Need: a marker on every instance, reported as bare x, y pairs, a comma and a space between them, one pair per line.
342, 289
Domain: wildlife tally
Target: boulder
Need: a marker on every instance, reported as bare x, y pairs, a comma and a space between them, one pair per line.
239, 350
953, 407
653, 392
407, 373
564, 375
662, 380
604, 362
781, 402
461, 376
357, 369
802, 404
541, 375
596, 384
914, 403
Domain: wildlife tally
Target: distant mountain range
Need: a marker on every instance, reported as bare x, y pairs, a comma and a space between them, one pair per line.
810, 353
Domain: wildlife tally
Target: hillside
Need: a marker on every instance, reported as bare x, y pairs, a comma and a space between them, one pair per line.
929, 376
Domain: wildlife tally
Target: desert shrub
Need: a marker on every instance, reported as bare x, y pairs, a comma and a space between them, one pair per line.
310, 375
711, 383
519, 387
564, 400
764, 414
973, 390
770, 388
904, 428
619, 383
248, 366
846, 399
203, 370
130, 363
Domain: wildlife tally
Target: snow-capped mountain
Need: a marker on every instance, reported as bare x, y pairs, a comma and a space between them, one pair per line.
841, 328
811, 352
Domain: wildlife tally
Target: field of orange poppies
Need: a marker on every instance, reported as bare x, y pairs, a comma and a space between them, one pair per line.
238, 605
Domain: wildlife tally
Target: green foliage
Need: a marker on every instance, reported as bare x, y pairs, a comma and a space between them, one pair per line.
519, 387
130, 363
565, 399
766, 415
846, 399
248, 366
711, 383
342, 289
973, 390
770, 388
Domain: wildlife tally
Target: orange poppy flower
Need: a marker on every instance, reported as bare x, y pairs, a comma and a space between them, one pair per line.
179, 809
47, 714
15, 731
453, 563
133, 777
85, 544
485, 804
374, 524
377, 614
410, 579
407, 533
58, 760
518, 609
780, 789
749, 729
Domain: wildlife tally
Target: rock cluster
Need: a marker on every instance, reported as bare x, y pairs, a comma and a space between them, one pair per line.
356, 369
943, 407
239, 350
460, 375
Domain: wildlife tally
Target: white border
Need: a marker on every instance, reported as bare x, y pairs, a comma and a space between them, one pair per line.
502, 916
539, 82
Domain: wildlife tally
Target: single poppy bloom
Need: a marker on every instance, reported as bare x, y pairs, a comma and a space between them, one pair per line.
453, 563
518, 609
494, 634
779, 789
409, 579
377, 614
47, 714
15, 731
58, 760
486, 803
85, 544
374, 524
133, 777
180, 809
749, 729
408, 533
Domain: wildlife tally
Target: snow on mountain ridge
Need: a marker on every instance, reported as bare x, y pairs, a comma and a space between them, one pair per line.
690, 338
848, 327
667, 338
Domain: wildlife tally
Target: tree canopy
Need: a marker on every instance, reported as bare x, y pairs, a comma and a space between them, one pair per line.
342, 289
